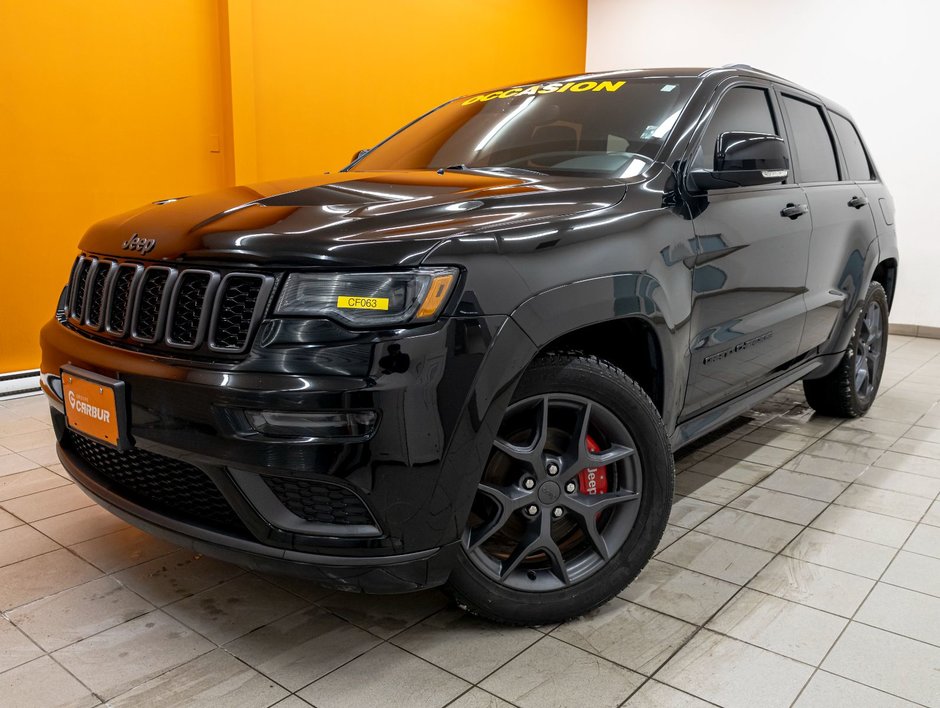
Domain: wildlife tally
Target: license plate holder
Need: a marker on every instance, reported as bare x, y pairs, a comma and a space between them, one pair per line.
95, 406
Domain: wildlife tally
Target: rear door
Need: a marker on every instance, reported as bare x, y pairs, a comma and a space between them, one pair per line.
750, 273
843, 226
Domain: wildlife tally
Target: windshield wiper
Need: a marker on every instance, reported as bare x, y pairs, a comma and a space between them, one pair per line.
489, 169
517, 169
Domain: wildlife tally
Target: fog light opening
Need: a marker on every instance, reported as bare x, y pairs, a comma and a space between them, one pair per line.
322, 425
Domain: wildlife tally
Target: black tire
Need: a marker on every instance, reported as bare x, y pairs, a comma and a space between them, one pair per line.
849, 390
603, 551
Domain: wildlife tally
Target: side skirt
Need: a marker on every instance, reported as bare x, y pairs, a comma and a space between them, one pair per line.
703, 423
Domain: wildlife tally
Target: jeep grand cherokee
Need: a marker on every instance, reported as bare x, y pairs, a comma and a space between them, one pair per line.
467, 357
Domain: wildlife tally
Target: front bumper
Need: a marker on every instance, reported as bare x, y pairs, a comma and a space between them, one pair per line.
416, 475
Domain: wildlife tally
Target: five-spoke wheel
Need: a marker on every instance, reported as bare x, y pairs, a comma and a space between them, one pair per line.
573, 498
868, 350
538, 523
850, 388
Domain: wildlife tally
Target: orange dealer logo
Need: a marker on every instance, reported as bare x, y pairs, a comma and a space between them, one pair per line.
79, 405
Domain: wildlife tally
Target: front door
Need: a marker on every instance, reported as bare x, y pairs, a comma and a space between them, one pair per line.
749, 276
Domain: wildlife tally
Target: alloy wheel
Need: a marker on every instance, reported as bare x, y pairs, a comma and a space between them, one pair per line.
559, 496
868, 351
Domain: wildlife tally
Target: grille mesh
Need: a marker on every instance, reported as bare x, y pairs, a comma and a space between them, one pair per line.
141, 294
151, 299
320, 501
238, 298
120, 299
81, 280
96, 304
163, 484
188, 312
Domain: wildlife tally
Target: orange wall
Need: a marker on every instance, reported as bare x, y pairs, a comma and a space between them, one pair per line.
109, 104
104, 105
334, 77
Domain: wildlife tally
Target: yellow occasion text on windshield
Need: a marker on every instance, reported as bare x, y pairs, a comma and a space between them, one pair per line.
573, 86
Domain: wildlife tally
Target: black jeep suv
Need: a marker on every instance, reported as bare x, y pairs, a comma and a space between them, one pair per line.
467, 357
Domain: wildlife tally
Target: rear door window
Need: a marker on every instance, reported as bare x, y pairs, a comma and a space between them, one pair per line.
856, 159
812, 142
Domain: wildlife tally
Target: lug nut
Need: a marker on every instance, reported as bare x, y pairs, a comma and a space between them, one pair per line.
532, 510
528, 483
552, 469
570, 487
557, 512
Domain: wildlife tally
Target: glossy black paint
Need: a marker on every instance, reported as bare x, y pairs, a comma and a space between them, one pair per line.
713, 299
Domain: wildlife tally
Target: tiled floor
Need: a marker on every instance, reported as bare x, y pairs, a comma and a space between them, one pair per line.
801, 567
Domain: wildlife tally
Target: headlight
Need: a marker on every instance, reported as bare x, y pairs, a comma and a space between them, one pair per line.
368, 299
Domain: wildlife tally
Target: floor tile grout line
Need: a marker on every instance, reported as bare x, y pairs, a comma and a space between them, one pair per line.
68, 483
382, 640
862, 604
834, 501
738, 592
82, 683
775, 554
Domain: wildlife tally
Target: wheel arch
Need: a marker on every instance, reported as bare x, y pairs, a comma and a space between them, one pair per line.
886, 273
608, 317
643, 362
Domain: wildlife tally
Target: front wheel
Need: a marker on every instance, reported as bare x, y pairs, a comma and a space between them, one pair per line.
574, 497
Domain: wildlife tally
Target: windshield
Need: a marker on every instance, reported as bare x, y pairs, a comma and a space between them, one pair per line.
589, 128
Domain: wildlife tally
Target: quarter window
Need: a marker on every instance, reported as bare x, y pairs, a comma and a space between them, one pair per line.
744, 108
856, 159
811, 142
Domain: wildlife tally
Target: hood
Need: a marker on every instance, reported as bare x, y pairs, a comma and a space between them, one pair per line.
349, 218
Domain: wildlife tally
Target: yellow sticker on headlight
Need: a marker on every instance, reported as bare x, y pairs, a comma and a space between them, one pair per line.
362, 303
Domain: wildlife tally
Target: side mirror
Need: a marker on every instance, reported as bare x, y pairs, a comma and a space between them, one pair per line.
358, 154
745, 160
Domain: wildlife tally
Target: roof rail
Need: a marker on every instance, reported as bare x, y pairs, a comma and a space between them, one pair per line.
737, 66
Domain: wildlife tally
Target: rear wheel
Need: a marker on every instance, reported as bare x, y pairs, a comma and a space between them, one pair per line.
850, 389
574, 497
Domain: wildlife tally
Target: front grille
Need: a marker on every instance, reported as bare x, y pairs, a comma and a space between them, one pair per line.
164, 307
149, 309
321, 502
239, 293
79, 286
96, 293
118, 311
165, 485
185, 329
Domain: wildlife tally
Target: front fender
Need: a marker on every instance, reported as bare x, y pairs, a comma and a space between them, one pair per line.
558, 311
469, 448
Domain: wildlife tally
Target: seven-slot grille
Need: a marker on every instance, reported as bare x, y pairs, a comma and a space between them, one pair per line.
164, 306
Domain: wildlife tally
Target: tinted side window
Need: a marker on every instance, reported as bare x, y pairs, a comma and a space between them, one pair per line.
856, 160
811, 142
741, 109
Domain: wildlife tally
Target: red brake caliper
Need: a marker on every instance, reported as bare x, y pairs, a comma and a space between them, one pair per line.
593, 480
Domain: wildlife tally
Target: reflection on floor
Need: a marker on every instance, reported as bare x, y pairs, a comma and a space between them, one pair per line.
801, 566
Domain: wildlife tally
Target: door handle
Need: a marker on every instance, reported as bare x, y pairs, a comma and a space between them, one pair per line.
794, 211
858, 202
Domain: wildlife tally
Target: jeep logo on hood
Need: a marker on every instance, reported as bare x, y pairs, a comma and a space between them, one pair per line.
136, 243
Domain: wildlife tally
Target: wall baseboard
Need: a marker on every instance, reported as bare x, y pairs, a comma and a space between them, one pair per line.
910, 330
19, 383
